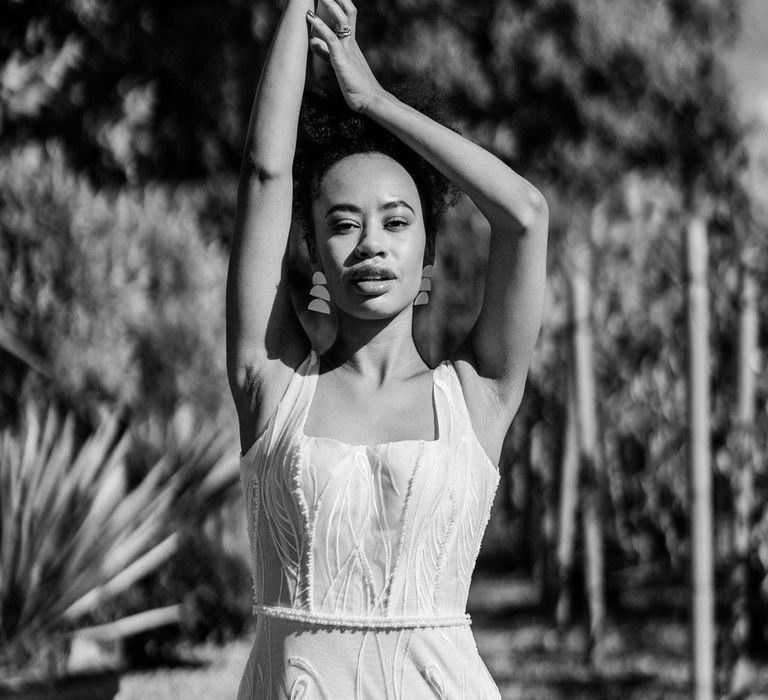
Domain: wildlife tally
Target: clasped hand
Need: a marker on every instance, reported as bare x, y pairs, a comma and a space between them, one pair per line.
337, 44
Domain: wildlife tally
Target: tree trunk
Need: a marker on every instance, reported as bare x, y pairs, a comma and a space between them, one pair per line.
523, 498
566, 522
744, 464
541, 462
700, 478
586, 423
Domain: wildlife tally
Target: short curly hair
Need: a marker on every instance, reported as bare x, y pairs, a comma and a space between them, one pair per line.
329, 131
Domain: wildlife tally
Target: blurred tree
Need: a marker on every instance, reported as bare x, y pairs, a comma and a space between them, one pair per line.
702, 608
744, 448
741, 458
135, 90
146, 89
119, 294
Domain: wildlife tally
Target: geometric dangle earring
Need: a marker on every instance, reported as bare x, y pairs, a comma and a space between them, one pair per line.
321, 298
426, 286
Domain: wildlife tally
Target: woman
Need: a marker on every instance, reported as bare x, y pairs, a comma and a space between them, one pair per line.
368, 476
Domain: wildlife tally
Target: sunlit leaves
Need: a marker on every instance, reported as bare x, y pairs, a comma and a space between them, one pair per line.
122, 293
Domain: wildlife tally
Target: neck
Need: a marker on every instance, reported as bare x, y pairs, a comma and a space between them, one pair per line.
381, 349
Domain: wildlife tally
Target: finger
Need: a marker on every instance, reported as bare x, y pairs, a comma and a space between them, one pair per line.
350, 10
340, 18
322, 30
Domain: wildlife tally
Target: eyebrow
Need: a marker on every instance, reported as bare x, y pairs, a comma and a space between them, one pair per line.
392, 204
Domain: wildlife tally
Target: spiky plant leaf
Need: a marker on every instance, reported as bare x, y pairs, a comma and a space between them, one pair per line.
74, 534
67, 527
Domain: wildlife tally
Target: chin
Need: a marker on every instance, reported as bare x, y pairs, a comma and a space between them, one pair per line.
376, 309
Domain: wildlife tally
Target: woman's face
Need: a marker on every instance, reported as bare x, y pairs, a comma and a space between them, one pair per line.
369, 235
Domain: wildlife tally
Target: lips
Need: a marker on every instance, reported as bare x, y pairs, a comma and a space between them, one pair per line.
372, 280
371, 272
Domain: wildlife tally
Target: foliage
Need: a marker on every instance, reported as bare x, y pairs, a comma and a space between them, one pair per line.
213, 587
576, 89
72, 534
133, 89
201, 456
78, 529
210, 581
120, 293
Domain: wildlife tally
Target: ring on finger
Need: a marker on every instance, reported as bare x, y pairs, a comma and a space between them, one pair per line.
343, 32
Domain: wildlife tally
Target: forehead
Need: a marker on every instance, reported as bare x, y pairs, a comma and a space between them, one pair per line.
367, 177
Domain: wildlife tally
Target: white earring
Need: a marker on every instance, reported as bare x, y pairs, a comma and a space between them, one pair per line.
422, 297
321, 299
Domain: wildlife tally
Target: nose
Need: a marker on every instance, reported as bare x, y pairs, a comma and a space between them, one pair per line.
370, 243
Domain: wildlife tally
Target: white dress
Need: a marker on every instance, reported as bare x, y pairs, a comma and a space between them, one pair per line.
362, 556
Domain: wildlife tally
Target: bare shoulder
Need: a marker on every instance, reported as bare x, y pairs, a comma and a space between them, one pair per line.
490, 403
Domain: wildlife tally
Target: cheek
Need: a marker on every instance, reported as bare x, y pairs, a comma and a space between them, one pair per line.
419, 251
332, 254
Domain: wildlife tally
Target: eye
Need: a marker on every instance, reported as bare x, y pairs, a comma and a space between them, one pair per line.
396, 223
344, 226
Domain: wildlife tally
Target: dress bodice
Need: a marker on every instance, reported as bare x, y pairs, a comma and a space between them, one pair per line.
366, 536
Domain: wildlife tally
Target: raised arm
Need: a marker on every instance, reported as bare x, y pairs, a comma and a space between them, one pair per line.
264, 339
500, 344
493, 362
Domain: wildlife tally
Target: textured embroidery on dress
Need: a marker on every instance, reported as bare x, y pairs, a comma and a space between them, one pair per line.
398, 555
442, 547
306, 682
435, 680
253, 505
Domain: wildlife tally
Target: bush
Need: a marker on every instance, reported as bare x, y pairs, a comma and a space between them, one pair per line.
214, 589
78, 531
121, 293
73, 535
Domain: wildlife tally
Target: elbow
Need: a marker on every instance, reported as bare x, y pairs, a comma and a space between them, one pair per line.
256, 169
533, 213
523, 210
243, 377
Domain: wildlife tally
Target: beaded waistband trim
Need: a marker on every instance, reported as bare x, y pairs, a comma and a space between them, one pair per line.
361, 621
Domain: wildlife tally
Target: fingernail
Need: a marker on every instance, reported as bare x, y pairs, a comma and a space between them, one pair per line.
311, 14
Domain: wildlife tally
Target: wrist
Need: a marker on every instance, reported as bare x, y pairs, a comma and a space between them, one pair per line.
377, 99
